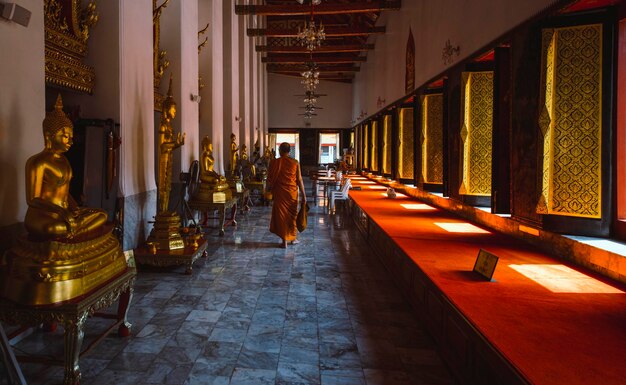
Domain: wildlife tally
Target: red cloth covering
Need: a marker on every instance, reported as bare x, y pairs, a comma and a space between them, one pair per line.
550, 337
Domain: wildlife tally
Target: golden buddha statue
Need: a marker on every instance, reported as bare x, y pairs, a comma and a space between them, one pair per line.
210, 181
69, 251
233, 154
165, 233
167, 144
51, 211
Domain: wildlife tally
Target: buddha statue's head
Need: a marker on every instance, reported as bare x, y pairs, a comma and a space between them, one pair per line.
58, 130
232, 137
169, 105
206, 144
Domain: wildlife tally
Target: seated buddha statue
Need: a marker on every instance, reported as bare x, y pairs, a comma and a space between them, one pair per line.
52, 213
208, 176
68, 252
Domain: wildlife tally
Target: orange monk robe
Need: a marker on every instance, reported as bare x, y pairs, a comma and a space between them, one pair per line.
282, 178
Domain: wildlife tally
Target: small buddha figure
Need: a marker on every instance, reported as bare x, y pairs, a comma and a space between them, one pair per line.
208, 176
233, 154
248, 169
167, 144
256, 154
52, 213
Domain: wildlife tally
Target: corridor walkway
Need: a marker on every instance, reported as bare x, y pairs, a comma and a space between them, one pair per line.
320, 312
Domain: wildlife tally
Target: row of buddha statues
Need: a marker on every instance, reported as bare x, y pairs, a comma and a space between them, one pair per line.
69, 251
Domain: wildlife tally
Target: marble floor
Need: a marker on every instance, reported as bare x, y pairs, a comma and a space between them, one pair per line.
323, 311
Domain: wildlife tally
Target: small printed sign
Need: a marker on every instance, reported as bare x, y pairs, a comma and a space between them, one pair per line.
219, 197
239, 187
130, 258
485, 264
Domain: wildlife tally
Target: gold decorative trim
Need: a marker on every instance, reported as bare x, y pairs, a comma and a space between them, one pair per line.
66, 36
64, 71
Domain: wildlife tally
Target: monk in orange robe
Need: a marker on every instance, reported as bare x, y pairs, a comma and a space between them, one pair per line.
284, 179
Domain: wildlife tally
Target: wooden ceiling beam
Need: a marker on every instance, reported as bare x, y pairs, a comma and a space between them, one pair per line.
329, 31
323, 48
292, 59
322, 9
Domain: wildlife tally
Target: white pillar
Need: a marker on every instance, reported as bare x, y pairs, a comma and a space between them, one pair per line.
212, 104
22, 107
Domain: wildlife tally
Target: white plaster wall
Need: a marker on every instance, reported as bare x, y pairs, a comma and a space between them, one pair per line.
211, 58
135, 97
284, 107
189, 82
22, 106
470, 24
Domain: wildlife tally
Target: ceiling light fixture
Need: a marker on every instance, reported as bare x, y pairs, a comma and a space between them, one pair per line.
311, 36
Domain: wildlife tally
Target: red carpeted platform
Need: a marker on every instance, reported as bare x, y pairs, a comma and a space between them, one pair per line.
554, 323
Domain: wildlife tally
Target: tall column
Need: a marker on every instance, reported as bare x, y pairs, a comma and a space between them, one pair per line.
244, 75
22, 108
254, 85
136, 117
231, 75
212, 70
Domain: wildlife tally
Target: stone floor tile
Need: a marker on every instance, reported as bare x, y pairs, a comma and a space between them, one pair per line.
321, 312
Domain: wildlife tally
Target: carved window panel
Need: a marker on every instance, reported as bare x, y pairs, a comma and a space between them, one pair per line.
374, 145
386, 161
476, 133
432, 138
570, 121
366, 146
405, 146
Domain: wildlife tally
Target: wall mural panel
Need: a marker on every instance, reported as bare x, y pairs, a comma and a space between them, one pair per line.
432, 138
405, 147
571, 122
476, 132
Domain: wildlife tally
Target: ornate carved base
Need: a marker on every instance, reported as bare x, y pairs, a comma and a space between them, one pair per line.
43, 273
165, 233
72, 315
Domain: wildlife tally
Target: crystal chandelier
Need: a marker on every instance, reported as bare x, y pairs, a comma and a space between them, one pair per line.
310, 77
311, 37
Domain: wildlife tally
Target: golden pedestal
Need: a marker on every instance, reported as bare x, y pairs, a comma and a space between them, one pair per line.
210, 194
162, 258
220, 207
48, 272
165, 234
